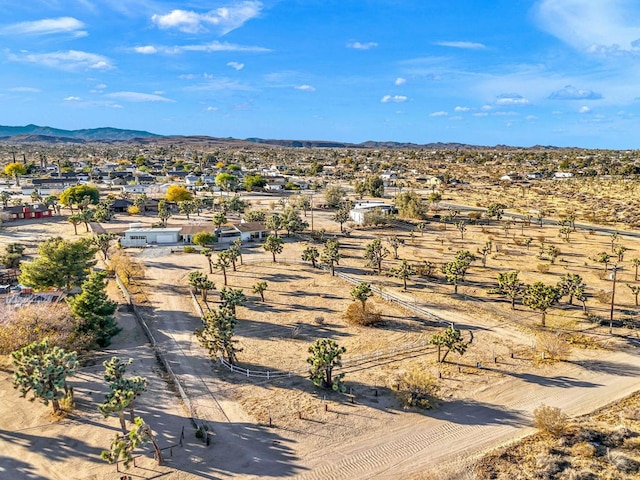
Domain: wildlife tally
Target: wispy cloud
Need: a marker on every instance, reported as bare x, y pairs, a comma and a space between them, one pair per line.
306, 88
68, 60
464, 45
223, 19
572, 93
214, 46
462, 109
394, 98
598, 27
439, 114
25, 90
138, 97
222, 84
584, 109
72, 99
511, 99
235, 65
400, 81
47, 26
362, 46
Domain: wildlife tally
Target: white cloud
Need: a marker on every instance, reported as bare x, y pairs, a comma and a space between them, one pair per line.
211, 109
400, 81
47, 26
362, 46
306, 88
69, 60
572, 93
438, 114
25, 89
223, 19
531, 117
394, 98
235, 65
584, 109
214, 46
486, 108
600, 27
72, 99
464, 45
138, 97
480, 114
146, 49
462, 109
511, 99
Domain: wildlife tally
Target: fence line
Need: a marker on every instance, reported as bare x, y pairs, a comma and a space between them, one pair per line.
156, 347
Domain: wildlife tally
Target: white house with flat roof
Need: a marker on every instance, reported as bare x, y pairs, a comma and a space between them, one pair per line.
141, 237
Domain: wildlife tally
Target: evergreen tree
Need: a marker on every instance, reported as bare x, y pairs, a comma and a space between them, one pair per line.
61, 263
94, 311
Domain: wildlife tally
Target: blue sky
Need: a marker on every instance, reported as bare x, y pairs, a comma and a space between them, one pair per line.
514, 72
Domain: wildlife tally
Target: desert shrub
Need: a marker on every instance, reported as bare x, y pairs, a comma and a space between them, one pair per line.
603, 297
543, 267
550, 420
548, 466
554, 346
631, 443
623, 463
584, 449
416, 388
319, 320
571, 474
356, 315
189, 249
34, 323
618, 436
631, 413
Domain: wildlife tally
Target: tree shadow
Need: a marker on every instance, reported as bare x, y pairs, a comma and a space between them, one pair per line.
610, 368
303, 331
470, 412
560, 381
55, 449
14, 468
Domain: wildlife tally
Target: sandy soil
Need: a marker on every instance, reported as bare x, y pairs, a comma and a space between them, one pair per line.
371, 438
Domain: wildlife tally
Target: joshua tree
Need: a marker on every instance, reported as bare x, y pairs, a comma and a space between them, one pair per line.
404, 271
361, 293
122, 391
541, 297
259, 288
325, 356
274, 245
510, 286
451, 340
310, 254
375, 253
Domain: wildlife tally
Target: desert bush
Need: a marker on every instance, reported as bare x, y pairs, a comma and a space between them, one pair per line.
554, 346
571, 474
631, 443
631, 413
189, 249
548, 466
319, 320
584, 449
550, 420
618, 436
33, 323
623, 463
603, 297
416, 388
356, 315
543, 267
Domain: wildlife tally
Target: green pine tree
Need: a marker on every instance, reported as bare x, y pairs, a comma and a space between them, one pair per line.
94, 311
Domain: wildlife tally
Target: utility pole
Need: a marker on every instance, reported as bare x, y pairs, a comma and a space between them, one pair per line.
613, 276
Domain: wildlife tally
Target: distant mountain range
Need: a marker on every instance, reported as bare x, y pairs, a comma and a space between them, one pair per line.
56, 135
37, 134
